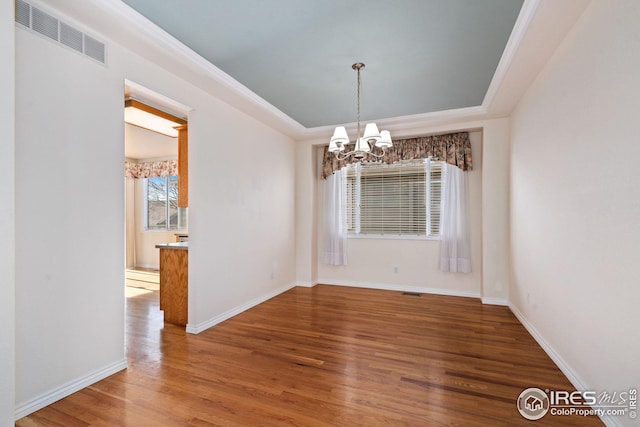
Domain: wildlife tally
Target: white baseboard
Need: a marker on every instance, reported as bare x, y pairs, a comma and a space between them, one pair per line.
26, 408
564, 367
571, 375
196, 329
149, 266
402, 288
305, 284
495, 301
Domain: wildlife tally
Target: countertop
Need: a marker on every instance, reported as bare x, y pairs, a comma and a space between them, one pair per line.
174, 245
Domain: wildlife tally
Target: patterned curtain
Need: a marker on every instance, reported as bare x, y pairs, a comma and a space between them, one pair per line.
150, 169
454, 148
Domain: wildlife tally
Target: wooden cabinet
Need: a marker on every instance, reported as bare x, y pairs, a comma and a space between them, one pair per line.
174, 283
183, 166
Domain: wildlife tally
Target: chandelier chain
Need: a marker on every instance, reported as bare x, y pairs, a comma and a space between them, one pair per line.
359, 86
363, 147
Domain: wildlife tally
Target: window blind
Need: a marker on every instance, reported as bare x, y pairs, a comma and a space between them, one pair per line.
397, 199
435, 175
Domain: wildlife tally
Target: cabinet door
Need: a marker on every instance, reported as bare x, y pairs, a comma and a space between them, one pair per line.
174, 285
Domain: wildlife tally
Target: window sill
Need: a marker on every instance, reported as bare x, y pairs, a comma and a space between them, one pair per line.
391, 237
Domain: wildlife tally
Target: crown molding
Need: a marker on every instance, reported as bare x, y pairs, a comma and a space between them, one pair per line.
232, 92
401, 126
245, 97
237, 95
525, 17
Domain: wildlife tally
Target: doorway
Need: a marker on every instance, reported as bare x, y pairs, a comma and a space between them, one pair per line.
154, 211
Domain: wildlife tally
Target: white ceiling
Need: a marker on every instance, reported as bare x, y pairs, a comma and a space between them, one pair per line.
143, 144
539, 29
421, 56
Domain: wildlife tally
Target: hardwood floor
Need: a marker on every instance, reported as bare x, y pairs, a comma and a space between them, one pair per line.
325, 356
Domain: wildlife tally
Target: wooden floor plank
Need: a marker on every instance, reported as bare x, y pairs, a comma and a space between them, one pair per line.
325, 356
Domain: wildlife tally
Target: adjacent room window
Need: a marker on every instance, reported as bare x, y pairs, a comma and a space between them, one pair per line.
402, 199
162, 211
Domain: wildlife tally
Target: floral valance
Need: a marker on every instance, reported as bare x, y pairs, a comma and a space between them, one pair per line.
454, 148
150, 169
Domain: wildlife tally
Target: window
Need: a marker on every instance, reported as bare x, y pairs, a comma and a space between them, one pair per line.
162, 211
399, 199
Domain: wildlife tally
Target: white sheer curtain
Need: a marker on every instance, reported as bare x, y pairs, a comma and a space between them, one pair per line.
455, 242
334, 251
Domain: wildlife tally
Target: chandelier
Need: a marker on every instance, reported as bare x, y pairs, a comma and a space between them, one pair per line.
364, 145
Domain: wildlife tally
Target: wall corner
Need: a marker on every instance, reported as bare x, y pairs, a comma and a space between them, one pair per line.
495, 210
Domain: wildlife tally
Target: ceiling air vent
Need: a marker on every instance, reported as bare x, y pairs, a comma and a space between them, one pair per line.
53, 29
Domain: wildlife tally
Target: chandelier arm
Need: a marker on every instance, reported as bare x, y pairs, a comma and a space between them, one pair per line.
377, 156
354, 153
341, 157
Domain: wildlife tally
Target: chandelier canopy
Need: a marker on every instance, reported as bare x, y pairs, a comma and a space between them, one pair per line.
363, 144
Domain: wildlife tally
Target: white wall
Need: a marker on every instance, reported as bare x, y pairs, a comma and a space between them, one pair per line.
241, 213
495, 212
306, 215
70, 242
575, 204
371, 262
7, 215
69, 218
490, 214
